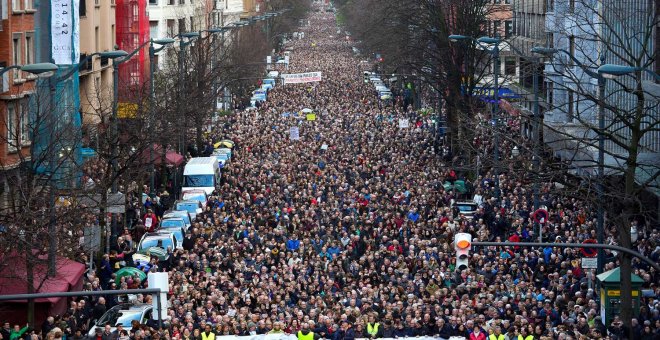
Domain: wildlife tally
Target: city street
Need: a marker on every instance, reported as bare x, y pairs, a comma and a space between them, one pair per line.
335, 218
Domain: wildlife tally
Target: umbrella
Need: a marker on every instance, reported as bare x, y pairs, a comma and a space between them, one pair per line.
307, 111
129, 271
225, 142
158, 252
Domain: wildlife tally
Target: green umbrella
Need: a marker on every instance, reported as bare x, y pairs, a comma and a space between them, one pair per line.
159, 252
129, 271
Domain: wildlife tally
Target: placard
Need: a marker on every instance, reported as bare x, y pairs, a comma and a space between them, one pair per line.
404, 123
294, 133
65, 31
311, 116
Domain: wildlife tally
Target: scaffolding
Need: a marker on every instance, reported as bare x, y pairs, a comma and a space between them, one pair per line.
132, 31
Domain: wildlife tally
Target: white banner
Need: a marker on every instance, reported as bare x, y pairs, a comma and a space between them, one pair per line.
269, 59
403, 123
65, 31
284, 336
298, 78
294, 133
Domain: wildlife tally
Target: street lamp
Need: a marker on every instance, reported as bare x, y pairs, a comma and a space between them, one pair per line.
495, 52
612, 71
42, 70
152, 95
600, 232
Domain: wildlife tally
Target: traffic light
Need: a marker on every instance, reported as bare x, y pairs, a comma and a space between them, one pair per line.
462, 245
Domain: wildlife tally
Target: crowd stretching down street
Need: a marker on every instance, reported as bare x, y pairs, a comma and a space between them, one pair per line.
347, 233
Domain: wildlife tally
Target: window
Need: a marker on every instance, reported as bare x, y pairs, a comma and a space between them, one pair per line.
170, 2
82, 11
571, 49
24, 123
182, 25
16, 5
550, 94
182, 2
571, 105
112, 36
28, 4
97, 3
571, 6
170, 27
97, 38
550, 40
29, 48
550, 5
11, 126
510, 66
153, 29
153, 2
496, 28
16, 56
508, 28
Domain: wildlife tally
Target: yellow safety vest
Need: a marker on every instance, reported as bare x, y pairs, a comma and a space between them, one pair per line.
496, 337
308, 336
529, 337
211, 336
373, 330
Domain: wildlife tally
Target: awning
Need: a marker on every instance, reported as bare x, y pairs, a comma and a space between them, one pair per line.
154, 155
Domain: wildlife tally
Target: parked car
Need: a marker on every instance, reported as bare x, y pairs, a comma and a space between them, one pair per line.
195, 195
156, 239
467, 209
173, 222
192, 207
182, 214
178, 234
122, 314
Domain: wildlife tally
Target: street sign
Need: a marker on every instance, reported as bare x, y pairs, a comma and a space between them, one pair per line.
92, 238
589, 263
589, 252
541, 216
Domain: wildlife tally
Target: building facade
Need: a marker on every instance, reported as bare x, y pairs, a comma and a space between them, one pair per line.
627, 36
132, 32
17, 47
97, 34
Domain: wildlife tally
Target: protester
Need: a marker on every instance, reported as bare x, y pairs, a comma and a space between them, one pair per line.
347, 231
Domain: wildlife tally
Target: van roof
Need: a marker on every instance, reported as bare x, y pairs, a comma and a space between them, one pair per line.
201, 161
201, 165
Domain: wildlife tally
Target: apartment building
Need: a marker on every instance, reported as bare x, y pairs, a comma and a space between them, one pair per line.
17, 47
628, 35
226, 12
97, 34
168, 18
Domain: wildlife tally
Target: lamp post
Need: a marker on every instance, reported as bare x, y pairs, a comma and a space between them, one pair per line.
600, 229
183, 43
152, 96
495, 52
42, 70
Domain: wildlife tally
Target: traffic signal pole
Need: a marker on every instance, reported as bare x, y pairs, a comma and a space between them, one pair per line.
570, 245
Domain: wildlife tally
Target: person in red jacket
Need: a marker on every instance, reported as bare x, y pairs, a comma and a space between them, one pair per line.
150, 221
477, 334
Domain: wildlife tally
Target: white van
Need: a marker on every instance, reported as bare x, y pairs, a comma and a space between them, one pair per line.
201, 173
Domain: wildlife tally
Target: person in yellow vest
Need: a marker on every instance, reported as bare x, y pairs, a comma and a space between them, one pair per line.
306, 334
373, 329
525, 335
207, 334
496, 335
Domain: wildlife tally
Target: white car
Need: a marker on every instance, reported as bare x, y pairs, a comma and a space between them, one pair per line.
122, 314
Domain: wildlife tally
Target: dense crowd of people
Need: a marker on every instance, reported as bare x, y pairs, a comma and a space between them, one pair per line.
347, 233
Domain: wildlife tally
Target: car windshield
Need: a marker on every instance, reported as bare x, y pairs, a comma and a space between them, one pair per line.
466, 207
124, 317
178, 235
194, 197
198, 181
156, 242
172, 223
189, 207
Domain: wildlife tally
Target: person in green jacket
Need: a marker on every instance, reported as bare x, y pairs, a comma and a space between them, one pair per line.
17, 332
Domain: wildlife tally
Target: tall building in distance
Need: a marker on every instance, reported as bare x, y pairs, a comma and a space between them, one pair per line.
17, 47
132, 31
97, 34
